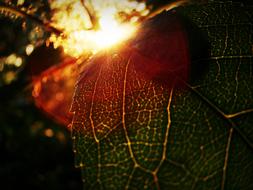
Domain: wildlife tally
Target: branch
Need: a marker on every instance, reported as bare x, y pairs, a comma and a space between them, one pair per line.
167, 7
92, 15
12, 11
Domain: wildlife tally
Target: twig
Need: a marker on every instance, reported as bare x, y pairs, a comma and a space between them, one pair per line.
92, 15
167, 7
19, 13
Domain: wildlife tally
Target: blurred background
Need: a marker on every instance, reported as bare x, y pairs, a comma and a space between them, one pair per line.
35, 150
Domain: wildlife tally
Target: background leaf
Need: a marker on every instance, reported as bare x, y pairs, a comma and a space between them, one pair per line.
140, 134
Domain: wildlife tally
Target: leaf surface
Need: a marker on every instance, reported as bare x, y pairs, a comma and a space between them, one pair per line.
53, 75
137, 126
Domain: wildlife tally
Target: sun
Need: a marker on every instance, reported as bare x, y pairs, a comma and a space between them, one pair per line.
116, 22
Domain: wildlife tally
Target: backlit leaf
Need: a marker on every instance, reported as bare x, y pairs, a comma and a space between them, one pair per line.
136, 125
53, 80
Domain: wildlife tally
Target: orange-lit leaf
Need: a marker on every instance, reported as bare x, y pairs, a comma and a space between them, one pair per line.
121, 104
53, 90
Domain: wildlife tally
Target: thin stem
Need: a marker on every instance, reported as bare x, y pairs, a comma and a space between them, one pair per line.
92, 15
167, 7
19, 13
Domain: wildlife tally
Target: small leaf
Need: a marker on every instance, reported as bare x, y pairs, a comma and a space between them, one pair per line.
53, 91
53, 80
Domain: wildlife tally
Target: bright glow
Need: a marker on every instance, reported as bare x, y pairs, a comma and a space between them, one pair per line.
20, 2
9, 77
13, 59
18, 62
29, 49
49, 133
74, 19
10, 60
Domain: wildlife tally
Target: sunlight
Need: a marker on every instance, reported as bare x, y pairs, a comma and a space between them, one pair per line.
116, 23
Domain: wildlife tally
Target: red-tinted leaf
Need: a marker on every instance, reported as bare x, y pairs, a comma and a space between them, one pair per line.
53, 90
123, 92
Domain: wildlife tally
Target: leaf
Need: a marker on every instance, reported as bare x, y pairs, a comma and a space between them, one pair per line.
136, 127
53, 90
53, 79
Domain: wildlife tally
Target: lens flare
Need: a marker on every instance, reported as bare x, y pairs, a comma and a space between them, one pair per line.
90, 26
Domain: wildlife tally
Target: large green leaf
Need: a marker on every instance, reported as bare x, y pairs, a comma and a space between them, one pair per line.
132, 132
